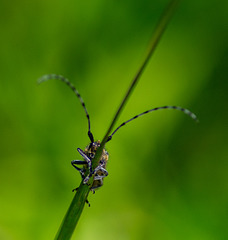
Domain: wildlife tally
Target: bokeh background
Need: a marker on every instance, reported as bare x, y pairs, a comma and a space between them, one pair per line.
168, 176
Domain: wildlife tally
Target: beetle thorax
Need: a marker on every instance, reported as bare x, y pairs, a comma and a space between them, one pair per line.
91, 150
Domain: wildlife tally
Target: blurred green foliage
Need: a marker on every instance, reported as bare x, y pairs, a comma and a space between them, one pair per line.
168, 177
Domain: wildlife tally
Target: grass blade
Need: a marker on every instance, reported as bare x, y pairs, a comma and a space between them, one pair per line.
74, 212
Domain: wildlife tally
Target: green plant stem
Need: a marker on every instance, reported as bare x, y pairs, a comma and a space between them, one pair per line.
74, 212
159, 29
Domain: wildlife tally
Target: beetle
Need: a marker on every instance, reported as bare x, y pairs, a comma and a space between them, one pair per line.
88, 154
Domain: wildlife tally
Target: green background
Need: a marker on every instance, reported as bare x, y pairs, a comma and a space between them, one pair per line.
168, 176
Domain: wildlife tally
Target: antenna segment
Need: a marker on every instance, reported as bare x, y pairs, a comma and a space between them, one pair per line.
65, 80
184, 110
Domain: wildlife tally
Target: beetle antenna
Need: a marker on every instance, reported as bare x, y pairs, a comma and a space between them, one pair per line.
65, 80
184, 110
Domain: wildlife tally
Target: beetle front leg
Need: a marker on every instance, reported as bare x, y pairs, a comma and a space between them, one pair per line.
86, 158
89, 163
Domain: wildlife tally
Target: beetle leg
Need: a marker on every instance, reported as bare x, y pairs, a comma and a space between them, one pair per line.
100, 179
86, 158
103, 170
79, 162
76, 189
98, 168
89, 163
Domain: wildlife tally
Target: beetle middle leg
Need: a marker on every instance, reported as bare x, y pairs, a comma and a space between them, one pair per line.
98, 168
81, 170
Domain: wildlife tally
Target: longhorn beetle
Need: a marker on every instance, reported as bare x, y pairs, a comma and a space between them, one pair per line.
88, 154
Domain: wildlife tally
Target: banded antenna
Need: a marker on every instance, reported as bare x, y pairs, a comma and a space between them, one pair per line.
184, 110
65, 80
